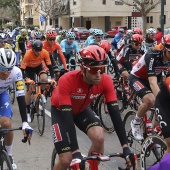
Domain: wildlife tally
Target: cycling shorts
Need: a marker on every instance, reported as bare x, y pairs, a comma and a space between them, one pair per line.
140, 86
30, 72
5, 105
163, 116
83, 121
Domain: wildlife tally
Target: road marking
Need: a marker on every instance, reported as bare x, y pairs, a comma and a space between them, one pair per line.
47, 113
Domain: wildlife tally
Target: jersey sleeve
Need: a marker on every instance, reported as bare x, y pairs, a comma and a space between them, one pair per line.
46, 57
63, 46
109, 90
77, 47
25, 61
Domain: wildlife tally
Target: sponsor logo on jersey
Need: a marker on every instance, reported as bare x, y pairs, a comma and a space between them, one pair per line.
79, 90
92, 96
19, 85
19, 75
151, 63
137, 86
79, 97
56, 133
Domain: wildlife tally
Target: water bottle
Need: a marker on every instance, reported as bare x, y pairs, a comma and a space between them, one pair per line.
149, 127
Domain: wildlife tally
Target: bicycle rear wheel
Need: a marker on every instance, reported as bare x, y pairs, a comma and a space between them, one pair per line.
40, 107
135, 145
5, 162
152, 151
11, 92
105, 116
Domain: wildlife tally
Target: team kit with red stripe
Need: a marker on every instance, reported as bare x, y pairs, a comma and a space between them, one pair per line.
150, 64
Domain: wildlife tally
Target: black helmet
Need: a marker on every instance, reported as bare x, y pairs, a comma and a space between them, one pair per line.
37, 45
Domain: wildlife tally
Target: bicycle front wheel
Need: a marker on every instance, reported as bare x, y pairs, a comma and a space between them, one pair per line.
152, 151
135, 145
5, 162
105, 116
40, 107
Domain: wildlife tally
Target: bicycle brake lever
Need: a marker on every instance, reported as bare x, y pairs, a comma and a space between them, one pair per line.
26, 137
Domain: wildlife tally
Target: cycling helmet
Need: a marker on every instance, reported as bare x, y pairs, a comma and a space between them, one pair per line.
105, 45
98, 32
3, 35
7, 58
137, 38
71, 35
37, 45
121, 30
166, 41
51, 34
137, 31
9, 35
75, 29
129, 32
151, 31
64, 32
93, 55
37, 35
23, 31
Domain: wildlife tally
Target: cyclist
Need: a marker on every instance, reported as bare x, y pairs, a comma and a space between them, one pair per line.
62, 36
70, 105
137, 30
89, 38
10, 74
51, 45
31, 65
149, 42
97, 37
127, 39
144, 79
21, 41
69, 48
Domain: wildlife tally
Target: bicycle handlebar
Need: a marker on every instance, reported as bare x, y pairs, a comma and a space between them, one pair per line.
101, 157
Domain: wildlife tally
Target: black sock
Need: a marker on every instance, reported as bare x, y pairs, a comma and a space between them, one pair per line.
28, 108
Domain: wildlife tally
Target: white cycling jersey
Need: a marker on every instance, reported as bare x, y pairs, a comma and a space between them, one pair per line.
14, 77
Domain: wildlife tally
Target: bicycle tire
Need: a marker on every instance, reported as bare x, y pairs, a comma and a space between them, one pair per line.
105, 116
5, 162
40, 108
135, 145
32, 113
148, 147
11, 92
53, 158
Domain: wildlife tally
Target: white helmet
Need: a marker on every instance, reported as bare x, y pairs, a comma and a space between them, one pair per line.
129, 32
151, 31
7, 58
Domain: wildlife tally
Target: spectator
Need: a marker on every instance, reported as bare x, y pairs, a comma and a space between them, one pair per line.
158, 35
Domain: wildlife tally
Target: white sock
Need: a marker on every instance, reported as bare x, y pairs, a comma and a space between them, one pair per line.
9, 150
137, 119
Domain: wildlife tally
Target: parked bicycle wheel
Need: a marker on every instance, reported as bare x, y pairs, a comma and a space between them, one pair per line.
5, 162
11, 92
40, 108
53, 158
105, 116
135, 145
152, 151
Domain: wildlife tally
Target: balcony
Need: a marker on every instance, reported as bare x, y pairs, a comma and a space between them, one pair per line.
29, 3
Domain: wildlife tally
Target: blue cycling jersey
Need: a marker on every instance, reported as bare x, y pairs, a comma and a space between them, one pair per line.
87, 42
115, 40
68, 48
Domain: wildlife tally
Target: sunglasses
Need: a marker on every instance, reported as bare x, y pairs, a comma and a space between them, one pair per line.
137, 44
5, 69
24, 35
95, 70
37, 38
51, 39
71, 38
98, 36
37, 50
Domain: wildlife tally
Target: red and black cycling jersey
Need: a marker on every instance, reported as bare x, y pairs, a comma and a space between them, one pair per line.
150, 64
128, 55
73, 90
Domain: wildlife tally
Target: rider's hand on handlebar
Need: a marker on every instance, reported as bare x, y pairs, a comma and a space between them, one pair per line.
29, 81
27, 131
53, 83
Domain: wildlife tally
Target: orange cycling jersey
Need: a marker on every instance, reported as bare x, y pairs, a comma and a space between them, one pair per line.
54, 47
31, 60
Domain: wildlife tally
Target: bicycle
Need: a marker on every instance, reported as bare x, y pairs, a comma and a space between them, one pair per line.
11, 92
93, 161
152, 151
5, 163
134, 144
37, 105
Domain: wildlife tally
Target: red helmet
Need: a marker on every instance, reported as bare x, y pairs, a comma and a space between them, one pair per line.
105, 45
167, 83
137, 38
137, 31
93, 55
166, 41
51, 34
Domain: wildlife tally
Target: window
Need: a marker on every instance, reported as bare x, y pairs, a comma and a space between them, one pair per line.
147, 19
104, 2
51, 22
151, 19
118, 2
74, 2
164, 2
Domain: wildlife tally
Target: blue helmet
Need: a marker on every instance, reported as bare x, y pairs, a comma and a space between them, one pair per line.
98, 32
71, 35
